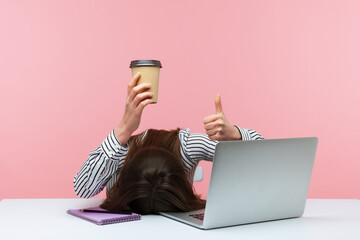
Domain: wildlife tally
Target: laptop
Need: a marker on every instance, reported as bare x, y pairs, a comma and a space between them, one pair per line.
255, 181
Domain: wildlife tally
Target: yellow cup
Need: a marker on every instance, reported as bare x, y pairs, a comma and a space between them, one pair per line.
150, 71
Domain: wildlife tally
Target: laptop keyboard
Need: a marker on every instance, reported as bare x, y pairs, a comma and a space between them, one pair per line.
199, 216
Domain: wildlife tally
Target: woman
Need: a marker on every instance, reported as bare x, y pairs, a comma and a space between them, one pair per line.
152, 171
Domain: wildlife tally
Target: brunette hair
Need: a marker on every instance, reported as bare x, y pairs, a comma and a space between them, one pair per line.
153, 179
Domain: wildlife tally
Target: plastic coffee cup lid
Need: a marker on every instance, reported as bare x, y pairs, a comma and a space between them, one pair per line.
150, 63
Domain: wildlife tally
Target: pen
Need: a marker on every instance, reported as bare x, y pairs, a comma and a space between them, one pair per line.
99, 211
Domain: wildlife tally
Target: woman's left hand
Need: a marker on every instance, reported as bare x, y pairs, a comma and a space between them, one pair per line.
218, 127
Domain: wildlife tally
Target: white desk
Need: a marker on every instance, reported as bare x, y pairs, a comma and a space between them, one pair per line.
47, 219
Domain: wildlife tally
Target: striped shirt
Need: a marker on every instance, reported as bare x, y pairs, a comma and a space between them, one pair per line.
103, 165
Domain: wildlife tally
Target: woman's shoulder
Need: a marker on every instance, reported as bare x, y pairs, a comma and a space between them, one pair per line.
184, 133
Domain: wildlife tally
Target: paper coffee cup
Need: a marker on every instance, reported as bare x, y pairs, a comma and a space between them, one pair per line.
150, 70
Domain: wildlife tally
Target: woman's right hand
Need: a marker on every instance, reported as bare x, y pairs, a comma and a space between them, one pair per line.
137, 99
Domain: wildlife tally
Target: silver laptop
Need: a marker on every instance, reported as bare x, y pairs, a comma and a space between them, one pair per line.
255, 181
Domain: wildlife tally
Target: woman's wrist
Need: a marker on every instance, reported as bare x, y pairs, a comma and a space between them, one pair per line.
237, 133
122, 134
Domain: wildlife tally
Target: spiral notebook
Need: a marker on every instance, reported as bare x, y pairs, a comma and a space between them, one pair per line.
103, 218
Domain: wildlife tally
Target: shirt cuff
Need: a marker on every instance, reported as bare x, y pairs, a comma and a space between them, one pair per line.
112, 147
245, 136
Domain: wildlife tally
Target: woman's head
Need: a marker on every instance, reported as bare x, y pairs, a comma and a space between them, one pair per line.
153, 180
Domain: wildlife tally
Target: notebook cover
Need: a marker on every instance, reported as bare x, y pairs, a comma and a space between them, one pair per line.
103, 218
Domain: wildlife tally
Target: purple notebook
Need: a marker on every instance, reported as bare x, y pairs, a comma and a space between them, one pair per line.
103, 218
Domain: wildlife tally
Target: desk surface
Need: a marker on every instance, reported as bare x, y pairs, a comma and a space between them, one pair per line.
47, 219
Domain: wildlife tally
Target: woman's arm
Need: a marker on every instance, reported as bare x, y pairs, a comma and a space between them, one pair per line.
101, 164
104, 162
196, 146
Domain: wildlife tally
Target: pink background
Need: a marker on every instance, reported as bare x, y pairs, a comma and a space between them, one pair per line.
284, 68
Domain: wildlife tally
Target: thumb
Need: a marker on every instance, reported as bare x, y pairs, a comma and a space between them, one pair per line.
218, 105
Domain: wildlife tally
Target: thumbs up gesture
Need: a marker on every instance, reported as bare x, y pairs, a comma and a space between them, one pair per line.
218, 127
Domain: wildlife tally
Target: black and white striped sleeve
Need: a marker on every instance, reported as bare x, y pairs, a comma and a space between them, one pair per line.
196, 147
249, 134
100, 166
